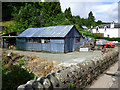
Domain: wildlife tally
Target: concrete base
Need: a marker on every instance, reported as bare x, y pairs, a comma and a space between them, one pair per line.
84, 49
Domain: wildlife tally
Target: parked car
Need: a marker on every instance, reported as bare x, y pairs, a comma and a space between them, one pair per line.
105, 43
100, 42
109, 45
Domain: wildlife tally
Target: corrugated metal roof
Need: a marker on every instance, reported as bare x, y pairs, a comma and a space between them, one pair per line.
52, 31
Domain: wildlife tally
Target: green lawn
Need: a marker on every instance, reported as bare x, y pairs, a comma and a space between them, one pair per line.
7, 23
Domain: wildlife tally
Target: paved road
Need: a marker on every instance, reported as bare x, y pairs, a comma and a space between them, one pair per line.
110, 78
107, 79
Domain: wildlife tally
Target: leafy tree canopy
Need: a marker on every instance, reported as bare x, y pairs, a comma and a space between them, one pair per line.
91, 17
42, 14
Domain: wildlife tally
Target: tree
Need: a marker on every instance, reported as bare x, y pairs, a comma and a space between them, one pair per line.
91, 17
77, 20
50, 9
68, 14
8, 8
99, 22
33, 14
28, 16
42, 14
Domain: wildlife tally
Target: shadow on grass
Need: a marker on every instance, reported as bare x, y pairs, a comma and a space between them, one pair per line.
14, 77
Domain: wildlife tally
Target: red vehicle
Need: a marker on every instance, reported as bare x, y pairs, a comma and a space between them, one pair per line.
109, 44
105, 43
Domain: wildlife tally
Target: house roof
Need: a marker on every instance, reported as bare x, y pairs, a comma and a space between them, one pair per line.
84, 27
52, 31
103, 26
116, 25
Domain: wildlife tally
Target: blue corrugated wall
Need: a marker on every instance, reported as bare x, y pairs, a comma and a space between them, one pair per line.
55, 45
70, 40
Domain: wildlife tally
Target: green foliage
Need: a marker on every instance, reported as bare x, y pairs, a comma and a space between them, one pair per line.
15, 76
85, 32
99, 22
10, 28
43, 14
68, 14
111, 39
28, 16
22, 62
59, 19
91, 17
71, 85
7, 9
77, 26
33, 15
66, 22
87, 22
77, 21
98, 35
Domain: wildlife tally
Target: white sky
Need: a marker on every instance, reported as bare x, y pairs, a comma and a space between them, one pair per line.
105, 10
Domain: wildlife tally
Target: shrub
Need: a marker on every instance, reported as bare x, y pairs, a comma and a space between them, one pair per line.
111, 39
98, 35
15, 76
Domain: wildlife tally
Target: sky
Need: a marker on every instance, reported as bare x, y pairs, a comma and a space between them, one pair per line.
105, 10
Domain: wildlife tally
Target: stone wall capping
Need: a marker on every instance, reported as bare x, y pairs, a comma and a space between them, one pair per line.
78, 76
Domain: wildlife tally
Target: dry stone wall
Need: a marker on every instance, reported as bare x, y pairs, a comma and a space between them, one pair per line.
75, 76
40, 67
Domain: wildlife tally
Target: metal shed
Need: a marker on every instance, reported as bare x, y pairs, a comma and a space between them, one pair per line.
61, 39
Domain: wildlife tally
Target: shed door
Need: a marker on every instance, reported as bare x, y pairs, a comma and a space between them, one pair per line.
70, 46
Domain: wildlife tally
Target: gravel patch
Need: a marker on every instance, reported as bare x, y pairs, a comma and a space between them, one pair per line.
64, 58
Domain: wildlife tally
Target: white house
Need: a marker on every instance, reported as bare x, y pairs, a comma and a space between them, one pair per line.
109, 30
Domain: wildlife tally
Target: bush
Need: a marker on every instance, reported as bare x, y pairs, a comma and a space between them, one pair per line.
15, 76
111, 39
98, 35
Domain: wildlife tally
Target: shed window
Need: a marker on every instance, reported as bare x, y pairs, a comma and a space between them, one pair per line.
39, 40
30, 40
45, 40
78, 40
36, 40
33, 40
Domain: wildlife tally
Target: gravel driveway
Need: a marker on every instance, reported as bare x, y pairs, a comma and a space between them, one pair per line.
64, 58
